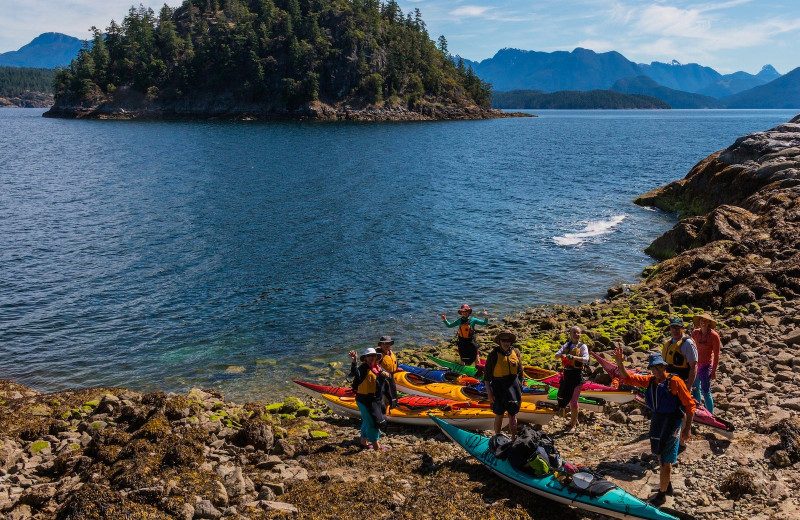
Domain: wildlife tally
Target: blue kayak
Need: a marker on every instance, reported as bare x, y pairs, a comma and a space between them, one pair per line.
616, 503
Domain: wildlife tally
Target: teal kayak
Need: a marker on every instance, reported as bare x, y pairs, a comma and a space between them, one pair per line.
592, 405
616, 503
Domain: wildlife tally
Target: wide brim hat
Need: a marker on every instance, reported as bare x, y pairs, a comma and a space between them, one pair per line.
371, 352
385, 340
704, 316
506, 334
465, 308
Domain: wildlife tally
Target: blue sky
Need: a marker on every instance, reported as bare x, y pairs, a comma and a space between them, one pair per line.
728, 35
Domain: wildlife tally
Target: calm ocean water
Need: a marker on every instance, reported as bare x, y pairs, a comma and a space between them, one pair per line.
156, 255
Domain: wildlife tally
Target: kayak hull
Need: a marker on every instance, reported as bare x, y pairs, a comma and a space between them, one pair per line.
617, 503
470, 418
548, 378
540, 393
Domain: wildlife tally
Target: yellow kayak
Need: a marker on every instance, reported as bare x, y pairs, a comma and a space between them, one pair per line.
411, 384
471, 418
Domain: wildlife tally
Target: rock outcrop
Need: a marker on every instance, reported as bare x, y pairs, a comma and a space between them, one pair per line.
744, 243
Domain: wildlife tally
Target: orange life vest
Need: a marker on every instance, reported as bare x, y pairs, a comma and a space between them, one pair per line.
465, 330
506, 365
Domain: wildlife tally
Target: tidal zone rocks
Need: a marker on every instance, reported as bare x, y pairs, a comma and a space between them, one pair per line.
114, 453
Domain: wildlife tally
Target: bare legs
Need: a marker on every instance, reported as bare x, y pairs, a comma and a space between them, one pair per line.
512, 424
665, 476
573, 419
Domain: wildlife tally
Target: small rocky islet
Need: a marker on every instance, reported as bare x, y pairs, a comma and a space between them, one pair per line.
116, 453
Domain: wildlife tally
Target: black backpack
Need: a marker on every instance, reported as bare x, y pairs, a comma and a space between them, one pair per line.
525, 447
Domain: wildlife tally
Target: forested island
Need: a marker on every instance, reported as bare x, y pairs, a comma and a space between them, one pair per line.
26, 87
571, 99
319, 59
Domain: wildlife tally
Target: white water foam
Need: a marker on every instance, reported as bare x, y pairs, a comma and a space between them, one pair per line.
592, 229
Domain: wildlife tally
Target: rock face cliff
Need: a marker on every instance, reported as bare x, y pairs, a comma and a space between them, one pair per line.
740, 240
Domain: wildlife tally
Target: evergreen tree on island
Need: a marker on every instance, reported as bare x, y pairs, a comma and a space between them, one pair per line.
265, 58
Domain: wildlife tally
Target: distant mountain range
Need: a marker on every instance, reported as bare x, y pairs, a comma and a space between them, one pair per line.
46, 51
583, 69
783, 92
681, 86
645, 86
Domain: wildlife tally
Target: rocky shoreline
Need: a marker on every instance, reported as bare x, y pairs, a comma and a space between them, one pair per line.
315, 111
27, 99
115, 453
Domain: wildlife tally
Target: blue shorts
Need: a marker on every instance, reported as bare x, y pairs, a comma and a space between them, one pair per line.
669, 455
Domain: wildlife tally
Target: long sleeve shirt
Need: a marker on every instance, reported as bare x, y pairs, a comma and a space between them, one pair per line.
708, 347
472, 322
676, 386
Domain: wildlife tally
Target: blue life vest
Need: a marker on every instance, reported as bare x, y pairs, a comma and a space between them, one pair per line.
667, 411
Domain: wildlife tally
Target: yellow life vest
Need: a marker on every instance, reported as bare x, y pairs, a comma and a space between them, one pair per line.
506, 365
389, 362
671, 352
369, 385
577, 359
465, 330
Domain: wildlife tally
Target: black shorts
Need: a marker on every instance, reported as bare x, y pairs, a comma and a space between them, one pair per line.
467, 350
507, 395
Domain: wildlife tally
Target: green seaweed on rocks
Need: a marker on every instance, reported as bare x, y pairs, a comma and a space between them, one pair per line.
38, 446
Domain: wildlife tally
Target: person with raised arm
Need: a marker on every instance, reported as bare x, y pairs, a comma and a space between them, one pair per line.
465, 335
671, 421
368, 385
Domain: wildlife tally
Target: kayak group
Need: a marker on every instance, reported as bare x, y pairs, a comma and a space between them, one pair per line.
677, 387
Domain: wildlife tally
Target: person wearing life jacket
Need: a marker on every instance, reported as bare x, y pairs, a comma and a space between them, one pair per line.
574, 356
680, 353
673, 409
709, 345
465, 335
368, 385
389, 363
503, 377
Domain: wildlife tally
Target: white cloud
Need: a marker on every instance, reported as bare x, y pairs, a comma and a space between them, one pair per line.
671, 21
469, 11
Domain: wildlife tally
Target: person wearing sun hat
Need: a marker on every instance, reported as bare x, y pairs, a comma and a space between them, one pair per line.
368, 385
465, 335
389, 363
709, 345
503, 377
673, 409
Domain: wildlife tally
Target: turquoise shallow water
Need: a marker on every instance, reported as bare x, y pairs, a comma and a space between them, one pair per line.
158, 254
